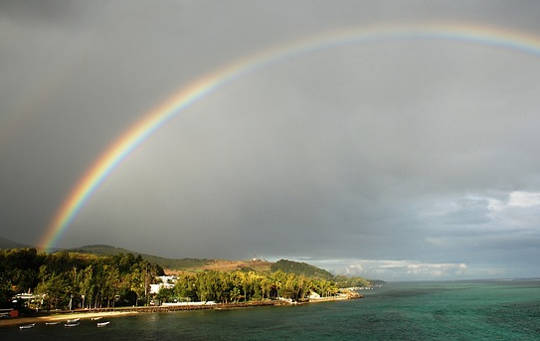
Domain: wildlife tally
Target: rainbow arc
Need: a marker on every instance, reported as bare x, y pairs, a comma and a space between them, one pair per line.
150, 122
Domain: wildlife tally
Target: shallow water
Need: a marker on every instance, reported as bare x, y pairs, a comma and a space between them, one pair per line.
489, 310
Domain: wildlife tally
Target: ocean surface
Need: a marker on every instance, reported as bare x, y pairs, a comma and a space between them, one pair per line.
476, 310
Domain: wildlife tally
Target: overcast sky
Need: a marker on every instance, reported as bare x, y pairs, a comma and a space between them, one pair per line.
409, 159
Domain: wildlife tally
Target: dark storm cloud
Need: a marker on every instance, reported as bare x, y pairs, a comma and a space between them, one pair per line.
50, 12
396, 158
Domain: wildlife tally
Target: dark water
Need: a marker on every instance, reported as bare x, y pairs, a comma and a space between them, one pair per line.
401, 311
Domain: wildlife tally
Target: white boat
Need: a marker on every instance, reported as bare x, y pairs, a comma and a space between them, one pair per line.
73, 321
96, 318
27, 326
71, 324
103, 324
52, 323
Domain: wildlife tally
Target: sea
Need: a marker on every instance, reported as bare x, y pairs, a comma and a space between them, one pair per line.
463, 310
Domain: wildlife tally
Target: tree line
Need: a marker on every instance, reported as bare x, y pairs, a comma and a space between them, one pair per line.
241, 286
70, 280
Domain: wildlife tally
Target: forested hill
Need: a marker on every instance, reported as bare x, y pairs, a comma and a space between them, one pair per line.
193, 265
301, 269
167, 263
10, 244
196, 264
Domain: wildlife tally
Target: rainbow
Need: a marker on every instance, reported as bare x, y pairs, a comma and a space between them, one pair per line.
136, 134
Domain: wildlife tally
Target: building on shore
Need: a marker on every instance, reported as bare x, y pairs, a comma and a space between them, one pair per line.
313, 295
166, 282
176, 304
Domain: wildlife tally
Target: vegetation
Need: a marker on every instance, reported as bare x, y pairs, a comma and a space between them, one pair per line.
349, 282
301, 269
69, 279
242, 286
166, 263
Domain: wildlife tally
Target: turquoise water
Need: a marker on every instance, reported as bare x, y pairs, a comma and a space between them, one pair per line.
493, 310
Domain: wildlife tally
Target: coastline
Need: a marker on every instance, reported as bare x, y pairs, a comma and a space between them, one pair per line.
62, 317
127, 311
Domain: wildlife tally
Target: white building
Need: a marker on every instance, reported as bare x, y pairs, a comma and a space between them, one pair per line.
313, 295
175, 304
167, 282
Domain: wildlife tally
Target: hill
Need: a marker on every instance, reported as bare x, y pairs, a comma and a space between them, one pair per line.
257, 265
166, 263
175, 266
10, 244
299, 268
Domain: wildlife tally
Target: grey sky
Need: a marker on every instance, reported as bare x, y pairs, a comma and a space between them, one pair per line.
392, 159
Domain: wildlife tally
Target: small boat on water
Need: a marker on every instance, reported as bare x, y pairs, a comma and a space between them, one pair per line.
27, 326
73, 321
103, 324
96, 318
71, 324
52, 323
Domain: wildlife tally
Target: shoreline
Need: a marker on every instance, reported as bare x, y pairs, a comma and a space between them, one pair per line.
62, 317
129, 311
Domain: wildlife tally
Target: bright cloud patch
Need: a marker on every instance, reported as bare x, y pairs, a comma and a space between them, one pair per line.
405, 268
392, 269
524, 199
514, 210
519, 211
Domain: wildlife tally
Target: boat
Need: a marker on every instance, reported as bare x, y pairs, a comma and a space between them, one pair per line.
27, 326
52, 323
103, 324
96, 318
73, 321
71, 324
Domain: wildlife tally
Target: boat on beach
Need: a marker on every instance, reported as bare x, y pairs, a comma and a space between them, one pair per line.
71, 324
103, 324
96, 318
52, 323
73, 321
27, 326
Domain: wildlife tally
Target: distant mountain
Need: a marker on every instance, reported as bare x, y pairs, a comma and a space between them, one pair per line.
167, 263
10, 244
301, 269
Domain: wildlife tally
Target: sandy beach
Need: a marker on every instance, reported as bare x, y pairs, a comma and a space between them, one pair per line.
62, 317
